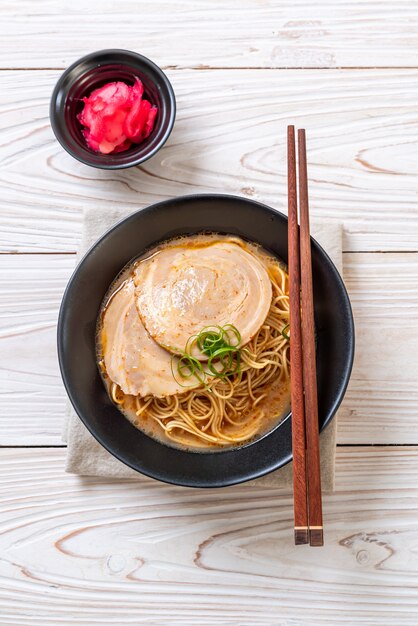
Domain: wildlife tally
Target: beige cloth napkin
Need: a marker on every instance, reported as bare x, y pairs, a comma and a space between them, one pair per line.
85, 456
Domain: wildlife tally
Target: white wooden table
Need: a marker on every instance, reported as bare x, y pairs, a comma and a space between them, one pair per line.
91, 551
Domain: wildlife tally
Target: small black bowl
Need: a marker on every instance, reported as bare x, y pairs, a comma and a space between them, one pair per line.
93, 71
77, 346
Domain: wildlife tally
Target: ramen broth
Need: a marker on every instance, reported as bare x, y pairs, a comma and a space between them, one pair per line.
275, 406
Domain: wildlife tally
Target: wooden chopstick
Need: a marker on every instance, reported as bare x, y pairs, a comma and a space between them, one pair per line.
296, 378
309, 358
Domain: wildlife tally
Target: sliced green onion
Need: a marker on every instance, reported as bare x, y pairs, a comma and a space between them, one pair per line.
284, 333
187, 367
229, 328
220, 344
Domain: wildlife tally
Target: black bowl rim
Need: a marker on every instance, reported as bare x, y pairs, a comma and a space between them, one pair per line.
223, 482
93, 56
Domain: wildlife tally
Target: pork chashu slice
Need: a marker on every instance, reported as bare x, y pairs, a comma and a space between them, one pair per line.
181, 289
132, 359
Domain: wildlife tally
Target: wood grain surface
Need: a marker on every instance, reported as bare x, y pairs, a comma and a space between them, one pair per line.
213, 33
230, 136
381, 404
95, 551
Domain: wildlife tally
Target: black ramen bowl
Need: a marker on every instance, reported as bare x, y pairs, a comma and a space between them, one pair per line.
77, 327
94, 71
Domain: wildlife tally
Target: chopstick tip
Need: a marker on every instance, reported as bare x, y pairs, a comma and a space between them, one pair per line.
301, 536
316, 537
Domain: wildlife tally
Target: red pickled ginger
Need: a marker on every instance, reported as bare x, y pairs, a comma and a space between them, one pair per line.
115, 116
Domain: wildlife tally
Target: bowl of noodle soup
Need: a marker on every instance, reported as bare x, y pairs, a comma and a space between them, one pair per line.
173, 340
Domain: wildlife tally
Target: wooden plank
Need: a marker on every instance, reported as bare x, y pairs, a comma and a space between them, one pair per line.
213, 33
381, 405
32, 397
229, 137
94, 551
